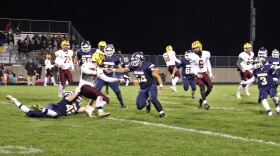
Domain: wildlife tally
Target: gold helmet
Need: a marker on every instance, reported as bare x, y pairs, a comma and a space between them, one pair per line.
98, 57
101, 45
247, 45
48, 56
197, 44
65, 45
169, 48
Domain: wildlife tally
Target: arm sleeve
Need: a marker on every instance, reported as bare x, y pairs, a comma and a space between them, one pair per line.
208, 63
86, 70
251, 80
175, 58
106, 78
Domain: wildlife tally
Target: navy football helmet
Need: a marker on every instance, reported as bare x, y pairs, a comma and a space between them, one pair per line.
109, 50
262, 52
86, 46
259, 62
137, 58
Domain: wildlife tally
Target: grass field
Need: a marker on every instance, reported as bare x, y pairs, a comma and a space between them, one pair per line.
230, 127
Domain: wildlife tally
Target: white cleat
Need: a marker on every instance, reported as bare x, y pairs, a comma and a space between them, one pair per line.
278, 109
103, 114
89, 112
269, 113
174, 89
45, 84
11, 98
238, 96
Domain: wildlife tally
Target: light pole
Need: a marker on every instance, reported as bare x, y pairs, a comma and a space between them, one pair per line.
252, 23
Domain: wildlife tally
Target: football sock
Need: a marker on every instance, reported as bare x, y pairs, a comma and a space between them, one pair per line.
60, 87
208, 91
119, 96
265, 104
174, 81
240, 89
157, 105
49, 112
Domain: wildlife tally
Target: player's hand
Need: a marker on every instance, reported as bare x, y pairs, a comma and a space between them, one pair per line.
162, 88
242, 82
120, 80
109, 70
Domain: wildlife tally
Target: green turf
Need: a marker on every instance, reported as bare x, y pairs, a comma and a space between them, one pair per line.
230, 127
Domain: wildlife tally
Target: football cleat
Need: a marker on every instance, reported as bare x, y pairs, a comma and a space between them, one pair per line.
247, 91
207, 106
200, 104
162, 115
103, 114
278, 109
238, 96
59, 94
269, 113
89, 112
193, 97
36, 107
11, 98
148, 107
173, 88
123, 106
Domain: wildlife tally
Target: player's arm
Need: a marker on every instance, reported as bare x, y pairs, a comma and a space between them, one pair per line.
209, 68
102, 76
156, 75
175, 59
121, 70
251, 80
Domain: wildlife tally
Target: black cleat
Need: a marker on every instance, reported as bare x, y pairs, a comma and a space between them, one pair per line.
200, 104
107, 92
123, 106
148, 107
207, 106
162, 115
193, 97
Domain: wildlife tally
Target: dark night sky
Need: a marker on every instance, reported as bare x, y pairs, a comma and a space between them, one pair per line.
221, 25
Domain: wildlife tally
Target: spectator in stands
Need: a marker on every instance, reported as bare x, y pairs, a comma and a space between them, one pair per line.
8, 27
73, 42
30, 68
11, 76
10, 37
31, 46
44, 42
3, 37
20, 46
27, 42
49, 39
18, 29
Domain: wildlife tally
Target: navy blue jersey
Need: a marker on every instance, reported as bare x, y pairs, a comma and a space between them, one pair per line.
265, 76
64, 108
144, 74
84, 57
112, 62
125, 65
186, 68
274, 61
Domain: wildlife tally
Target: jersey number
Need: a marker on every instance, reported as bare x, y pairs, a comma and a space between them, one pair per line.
263, 81
200, 64
166, 58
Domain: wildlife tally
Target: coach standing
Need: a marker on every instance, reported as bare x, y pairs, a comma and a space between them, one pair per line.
30, 68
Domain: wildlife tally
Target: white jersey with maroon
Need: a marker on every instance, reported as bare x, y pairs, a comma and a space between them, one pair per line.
245, 60
48, 65
170, 58
64, 59
201, 64
89, 74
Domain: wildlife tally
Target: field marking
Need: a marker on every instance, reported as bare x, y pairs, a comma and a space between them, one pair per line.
18, 150
199, 131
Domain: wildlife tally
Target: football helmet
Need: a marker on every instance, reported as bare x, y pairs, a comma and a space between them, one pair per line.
262, 52
125, 59
169, 48
101, 45
137, 58
86, 46
275, 53
68, 93
98, 57
48, 56
188, 55
247, 45
109, 50
65, 45
195, 45
259, 62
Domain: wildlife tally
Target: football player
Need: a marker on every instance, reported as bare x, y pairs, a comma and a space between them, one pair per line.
101, 46
48, 70
262, 52
111, 61
64, 62
265, 74
90, 71
146, 73
170, 58
187, 73
245, 66
275, 60
69, 104
125, 64
84, 54
200, 62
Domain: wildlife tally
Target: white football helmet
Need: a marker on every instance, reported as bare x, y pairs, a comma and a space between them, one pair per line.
259, 62
86, 46
109, 50
262, 52
275, 53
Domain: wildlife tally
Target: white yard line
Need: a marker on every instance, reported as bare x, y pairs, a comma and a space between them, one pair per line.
199, 131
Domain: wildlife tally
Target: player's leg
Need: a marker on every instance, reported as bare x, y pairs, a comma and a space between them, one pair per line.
186, 84
263, 97
202, 87
99, 84
154, 99
208, 83
141, 99
193, 86
18, 104
248, 76
275, 99
115, 87
241, 87
62, 78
